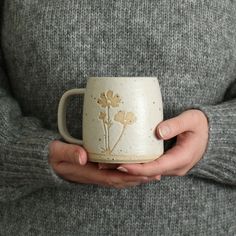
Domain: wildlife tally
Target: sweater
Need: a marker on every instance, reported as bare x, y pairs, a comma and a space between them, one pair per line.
49, 47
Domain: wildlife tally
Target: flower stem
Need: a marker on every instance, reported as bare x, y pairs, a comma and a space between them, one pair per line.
118, 140
105, 131
108, 128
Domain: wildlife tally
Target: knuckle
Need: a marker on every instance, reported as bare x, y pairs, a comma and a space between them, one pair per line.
194, 116
66, 153
187, 160
75, 156
116, 183
53, 151
181, 173
112, 182
53, 146
69, 154
58, 168
108, 183
177, 125
180, 125
119, 186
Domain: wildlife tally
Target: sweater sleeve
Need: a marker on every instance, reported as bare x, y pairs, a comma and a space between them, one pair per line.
24, 146
219, 160
24, 149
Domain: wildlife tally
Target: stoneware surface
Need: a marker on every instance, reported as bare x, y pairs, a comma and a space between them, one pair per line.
120, 115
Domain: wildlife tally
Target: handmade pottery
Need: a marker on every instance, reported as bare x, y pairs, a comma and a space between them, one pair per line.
120, 115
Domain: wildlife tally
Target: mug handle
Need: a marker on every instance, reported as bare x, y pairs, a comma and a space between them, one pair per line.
61, 115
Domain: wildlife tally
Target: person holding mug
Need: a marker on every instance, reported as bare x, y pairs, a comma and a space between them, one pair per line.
51, 185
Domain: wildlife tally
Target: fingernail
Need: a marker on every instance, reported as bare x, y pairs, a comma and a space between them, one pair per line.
122, 169
78, 157
164, 131
158, 177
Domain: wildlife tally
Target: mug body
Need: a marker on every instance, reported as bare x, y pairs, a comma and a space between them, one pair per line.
120, 116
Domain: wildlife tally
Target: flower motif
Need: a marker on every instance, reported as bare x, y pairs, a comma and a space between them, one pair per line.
107, 100
102, 115
102, 101
113, 100
120, 116
125, 119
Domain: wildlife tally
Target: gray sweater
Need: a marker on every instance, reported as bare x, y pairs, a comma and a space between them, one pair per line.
48, 47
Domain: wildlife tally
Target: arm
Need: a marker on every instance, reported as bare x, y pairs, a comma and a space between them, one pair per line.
24, 144
219, 160
23, 148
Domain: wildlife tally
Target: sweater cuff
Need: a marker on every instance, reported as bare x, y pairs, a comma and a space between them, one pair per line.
219, 162
27, 161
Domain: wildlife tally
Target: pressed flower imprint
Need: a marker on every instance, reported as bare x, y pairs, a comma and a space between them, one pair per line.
109, 101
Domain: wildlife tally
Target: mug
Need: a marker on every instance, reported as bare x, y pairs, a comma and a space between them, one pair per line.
120, 115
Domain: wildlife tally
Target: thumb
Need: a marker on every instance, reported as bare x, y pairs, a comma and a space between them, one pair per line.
186, 121
63, 152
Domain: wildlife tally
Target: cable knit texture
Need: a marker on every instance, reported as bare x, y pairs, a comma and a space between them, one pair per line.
49, 47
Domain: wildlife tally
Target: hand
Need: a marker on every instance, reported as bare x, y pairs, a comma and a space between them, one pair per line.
70, 162
191, 129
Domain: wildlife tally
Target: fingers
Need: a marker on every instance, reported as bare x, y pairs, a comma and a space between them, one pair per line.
161, 166
186, 121
107, 166
191, 129
176, 161
90, 174
177, 158
60, 152
114, 178
67, 164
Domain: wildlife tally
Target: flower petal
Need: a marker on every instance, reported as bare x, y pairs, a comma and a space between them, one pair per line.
115, 101
120, 116
102, 115
130, 118
102, 101
109, 94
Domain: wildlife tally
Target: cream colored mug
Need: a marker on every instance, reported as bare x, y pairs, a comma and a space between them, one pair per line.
120, 115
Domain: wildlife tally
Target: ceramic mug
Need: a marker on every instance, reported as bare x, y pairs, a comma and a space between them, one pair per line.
120, 115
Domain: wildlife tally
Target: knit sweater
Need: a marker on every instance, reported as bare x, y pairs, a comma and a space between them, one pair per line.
49, 47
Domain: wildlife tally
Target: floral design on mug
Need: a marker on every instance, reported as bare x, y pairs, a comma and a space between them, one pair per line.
108, 100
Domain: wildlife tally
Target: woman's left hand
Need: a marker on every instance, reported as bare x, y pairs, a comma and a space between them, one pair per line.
191, 129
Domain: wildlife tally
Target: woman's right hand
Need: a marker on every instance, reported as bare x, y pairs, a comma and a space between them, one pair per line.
70, 162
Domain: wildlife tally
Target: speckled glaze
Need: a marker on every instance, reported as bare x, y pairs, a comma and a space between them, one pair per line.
120, 115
